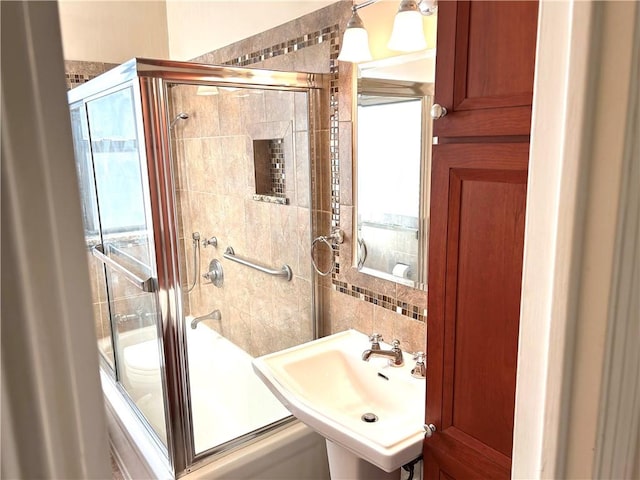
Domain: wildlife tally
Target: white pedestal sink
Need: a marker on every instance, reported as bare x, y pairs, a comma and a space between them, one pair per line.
366, 410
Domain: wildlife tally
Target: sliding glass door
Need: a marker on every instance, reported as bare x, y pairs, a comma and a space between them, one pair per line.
119, 237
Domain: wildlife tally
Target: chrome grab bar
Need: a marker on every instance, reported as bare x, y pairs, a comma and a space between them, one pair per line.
145, 284
285, 271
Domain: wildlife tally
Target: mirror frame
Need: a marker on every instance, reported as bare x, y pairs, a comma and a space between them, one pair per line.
397, 88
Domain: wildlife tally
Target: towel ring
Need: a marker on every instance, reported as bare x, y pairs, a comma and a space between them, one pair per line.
336, 237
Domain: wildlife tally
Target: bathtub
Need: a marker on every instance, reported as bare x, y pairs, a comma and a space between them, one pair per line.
228, 400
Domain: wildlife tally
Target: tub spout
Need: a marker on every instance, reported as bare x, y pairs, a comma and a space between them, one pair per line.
215, 315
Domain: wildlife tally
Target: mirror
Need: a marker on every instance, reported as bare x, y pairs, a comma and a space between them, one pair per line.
392, 152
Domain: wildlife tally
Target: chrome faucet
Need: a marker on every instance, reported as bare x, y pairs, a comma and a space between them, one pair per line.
215, 315
394, 355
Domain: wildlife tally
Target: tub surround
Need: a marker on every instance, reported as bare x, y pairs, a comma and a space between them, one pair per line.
349, 299
214, 167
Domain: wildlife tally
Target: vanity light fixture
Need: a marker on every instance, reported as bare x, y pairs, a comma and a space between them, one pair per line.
355, 41
407, 34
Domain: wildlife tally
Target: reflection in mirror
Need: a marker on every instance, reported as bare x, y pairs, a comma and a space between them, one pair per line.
392, 158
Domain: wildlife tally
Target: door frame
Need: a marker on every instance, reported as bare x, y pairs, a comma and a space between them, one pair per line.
581, 151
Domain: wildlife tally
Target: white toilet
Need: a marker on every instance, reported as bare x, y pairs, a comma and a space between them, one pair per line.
142, 368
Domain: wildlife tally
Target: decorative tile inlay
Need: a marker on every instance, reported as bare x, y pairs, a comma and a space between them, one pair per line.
276, 168
79, 72
75, 79
332, 35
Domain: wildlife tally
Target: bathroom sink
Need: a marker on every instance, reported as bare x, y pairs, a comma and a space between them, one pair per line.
326, 385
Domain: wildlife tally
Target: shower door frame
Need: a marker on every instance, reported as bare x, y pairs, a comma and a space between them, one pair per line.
154, 76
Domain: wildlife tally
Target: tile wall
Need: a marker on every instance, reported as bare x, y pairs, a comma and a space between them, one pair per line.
348, 298
216, 186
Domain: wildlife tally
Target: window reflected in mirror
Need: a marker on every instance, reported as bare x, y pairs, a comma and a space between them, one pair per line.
392, 158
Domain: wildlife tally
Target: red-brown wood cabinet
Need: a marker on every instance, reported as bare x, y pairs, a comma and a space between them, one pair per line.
484, 78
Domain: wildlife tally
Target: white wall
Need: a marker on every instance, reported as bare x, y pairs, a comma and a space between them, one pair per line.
198, 27
378, 20
52, 417
578, 163
113, 31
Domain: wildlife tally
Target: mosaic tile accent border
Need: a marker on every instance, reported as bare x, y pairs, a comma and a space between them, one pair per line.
331, 34
79, 72
75, 79
292, 45
384, 301
276, 168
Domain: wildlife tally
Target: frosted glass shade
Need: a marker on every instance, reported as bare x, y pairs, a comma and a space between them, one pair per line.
408, 33
355, 46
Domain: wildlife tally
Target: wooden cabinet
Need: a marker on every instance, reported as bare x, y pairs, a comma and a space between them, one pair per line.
484, 77
484, 67
475, 251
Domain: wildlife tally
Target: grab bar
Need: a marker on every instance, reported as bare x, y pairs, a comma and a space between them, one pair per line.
285, 271
145, 284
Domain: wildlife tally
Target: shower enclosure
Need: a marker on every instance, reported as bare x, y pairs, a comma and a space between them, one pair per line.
196, 192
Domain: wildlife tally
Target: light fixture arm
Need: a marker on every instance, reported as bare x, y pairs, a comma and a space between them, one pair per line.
425, 7
366, 3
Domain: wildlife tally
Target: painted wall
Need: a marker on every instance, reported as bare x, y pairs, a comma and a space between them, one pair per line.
113, 31
197, 27
378, 20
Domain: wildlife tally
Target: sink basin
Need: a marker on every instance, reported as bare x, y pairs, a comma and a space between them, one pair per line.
326, 385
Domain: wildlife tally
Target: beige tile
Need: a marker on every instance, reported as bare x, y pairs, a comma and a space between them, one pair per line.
230, 114
179, 164
346, 163
233, 224
239, 328
235, 162
349, 312
346, 90
383, 323
412, 296
302, 169
236, 286
301, 111
411, 333
279, 105
304, 243
323, 172
284, 236
258, 228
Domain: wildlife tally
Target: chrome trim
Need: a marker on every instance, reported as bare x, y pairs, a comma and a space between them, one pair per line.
195, 73
285, 271
165, 228
394, 88
145, 284
150, 80
236, 443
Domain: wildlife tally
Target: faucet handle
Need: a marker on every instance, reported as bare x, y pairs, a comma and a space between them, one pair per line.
375, 340
420, 370
396, 344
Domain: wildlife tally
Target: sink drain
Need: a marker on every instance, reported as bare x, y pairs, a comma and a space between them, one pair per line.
369, 417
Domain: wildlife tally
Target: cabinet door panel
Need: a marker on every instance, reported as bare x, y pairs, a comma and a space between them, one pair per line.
485, 67
475, 268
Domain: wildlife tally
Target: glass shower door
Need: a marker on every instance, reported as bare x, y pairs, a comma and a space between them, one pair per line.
124, 247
